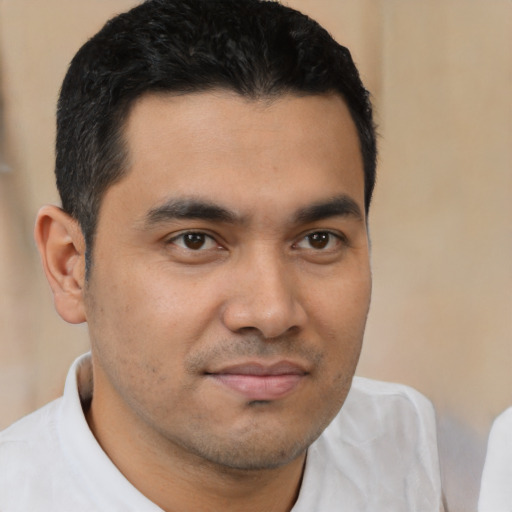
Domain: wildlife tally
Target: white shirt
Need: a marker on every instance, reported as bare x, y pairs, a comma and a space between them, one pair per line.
496, 489
378, 454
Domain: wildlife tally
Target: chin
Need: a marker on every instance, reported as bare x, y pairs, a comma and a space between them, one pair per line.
260, 451
242, 460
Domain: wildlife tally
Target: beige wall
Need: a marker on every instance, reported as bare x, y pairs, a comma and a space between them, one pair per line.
441, 320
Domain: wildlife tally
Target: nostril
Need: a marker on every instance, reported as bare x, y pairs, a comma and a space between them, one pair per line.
249, 330
267, 335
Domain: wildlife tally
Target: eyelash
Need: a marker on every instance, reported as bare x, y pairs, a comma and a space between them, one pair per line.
332, 237
206, 237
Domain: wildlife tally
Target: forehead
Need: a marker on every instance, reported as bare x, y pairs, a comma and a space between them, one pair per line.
218, 144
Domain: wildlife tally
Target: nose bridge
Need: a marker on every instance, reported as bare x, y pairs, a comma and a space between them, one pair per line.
265, 297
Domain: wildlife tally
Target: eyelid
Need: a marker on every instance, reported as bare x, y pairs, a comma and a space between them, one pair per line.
176, 236
340, 236
171, 239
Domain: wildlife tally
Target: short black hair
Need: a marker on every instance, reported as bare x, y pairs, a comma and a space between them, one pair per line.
256, 48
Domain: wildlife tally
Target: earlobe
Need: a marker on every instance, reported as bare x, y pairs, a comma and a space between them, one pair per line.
62, 249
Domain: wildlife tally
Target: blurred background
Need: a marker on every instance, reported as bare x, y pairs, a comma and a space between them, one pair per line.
440, 72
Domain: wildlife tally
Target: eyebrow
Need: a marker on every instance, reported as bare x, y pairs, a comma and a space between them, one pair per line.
188, 209
183, 208
339, 206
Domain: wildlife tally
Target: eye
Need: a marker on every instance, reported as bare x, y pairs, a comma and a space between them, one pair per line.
319, 241
194, 241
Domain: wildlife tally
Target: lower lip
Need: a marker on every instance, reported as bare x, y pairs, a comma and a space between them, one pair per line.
260, 387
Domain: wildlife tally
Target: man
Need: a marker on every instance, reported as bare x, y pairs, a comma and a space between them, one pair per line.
216, 162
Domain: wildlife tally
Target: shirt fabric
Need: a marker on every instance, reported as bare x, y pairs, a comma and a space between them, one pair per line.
378, 454
496, 488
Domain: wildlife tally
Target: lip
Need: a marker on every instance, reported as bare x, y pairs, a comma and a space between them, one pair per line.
261, 382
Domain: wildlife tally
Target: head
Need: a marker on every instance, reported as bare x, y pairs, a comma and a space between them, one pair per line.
216, 161
257, 49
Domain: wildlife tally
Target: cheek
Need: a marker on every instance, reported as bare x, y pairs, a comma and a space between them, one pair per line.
145, 300
341, 312
342, 303
140, 335
145, 323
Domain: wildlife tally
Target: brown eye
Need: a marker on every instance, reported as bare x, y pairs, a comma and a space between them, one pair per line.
319, 240
194, 241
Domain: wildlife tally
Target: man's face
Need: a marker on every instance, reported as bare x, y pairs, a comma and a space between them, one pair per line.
230, 280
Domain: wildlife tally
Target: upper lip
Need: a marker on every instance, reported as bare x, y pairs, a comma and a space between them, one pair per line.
262, 369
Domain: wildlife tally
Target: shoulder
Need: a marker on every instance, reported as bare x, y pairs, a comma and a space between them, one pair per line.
35, 473
496, 491
25, 447
28, 458
397, 413
383, 441
502, 425
376, 388
386, 416
24, 428
500, 438
388, 405
388, 395
378, 453
388, 413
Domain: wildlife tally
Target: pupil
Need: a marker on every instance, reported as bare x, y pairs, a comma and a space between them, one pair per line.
319, 240
194, 240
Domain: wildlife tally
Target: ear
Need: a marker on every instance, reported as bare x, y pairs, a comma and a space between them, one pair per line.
62, 249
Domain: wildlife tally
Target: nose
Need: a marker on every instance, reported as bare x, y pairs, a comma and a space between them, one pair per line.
265, 298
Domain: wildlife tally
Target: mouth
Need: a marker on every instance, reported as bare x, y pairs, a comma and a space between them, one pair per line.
260, 382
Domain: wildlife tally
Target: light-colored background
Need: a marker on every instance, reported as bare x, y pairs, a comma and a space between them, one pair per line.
440, 72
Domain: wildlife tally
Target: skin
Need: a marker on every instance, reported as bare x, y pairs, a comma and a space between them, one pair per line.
275, 275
